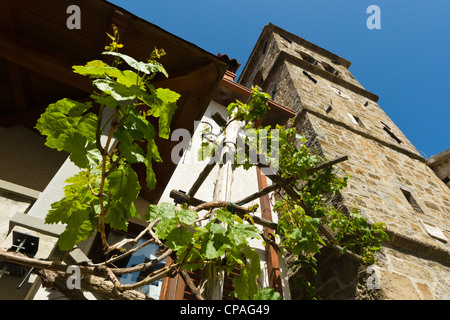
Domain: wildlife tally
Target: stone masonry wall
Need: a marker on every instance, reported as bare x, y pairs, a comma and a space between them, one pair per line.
415, 265
378, 176
390, 181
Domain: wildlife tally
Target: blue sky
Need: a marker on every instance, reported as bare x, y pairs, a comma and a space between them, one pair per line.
406, 62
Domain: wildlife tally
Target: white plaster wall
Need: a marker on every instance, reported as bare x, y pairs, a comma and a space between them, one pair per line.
244, 182
189, 168
25, 160
53, 191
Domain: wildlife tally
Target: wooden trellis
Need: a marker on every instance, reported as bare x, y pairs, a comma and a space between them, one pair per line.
211, 286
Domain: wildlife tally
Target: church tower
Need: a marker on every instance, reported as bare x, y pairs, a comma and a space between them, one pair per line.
390, 180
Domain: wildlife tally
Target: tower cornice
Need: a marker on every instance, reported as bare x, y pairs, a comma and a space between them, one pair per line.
284, 56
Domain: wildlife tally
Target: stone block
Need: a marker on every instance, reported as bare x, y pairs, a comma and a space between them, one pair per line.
398, 287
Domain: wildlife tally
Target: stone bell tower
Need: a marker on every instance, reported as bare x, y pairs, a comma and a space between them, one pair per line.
390, 180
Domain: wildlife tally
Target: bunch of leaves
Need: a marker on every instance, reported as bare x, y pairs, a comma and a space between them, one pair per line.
256, 108
304, 215
236, 111
103, 192
302, 219
354, 233
210, 144
223, 240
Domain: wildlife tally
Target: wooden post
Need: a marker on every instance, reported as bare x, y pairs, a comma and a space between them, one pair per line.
211, 283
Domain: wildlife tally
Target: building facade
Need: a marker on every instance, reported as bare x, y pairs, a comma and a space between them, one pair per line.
440, 164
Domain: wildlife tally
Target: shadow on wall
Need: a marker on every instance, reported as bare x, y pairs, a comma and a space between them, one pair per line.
25, 160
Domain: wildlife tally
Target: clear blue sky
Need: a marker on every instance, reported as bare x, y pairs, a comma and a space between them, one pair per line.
406, 62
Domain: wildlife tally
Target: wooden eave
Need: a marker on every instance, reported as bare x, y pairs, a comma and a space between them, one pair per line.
230, 91
37, 52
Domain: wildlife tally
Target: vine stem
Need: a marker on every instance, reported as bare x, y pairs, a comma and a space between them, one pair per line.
103, 179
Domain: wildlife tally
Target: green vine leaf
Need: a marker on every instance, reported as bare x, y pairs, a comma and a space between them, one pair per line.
255, 109
214, 246
97, 69
123, 184
246, 286
179, 239
67, 119
150, 67
118, 214
186, 217
240, 232
267, 294
117, 90
164, 108
79, 227
77, 198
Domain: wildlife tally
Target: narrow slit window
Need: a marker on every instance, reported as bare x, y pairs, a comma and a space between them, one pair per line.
286, 38
384, 124
356, 120
274, 91
309, 77
265, 48
330, 69
412, 201
389, 132
307, 57
393, 136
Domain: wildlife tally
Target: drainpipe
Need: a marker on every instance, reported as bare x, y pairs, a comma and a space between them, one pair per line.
273, 264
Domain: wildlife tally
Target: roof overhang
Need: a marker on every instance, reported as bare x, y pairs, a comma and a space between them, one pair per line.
38, 52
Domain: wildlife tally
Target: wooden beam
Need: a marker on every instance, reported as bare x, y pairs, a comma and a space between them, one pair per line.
20, 88
18, 76
26, 118
178, 84
203, 175
187, 80
273, 264
40, 59
240, 211
120, 20
9, 15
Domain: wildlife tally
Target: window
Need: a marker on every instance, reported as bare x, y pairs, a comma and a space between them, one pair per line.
274, 91
141, 256
309, 77
286, 38
330, 69
389, 132
355, 120
265, 48
412, 201
307, 57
